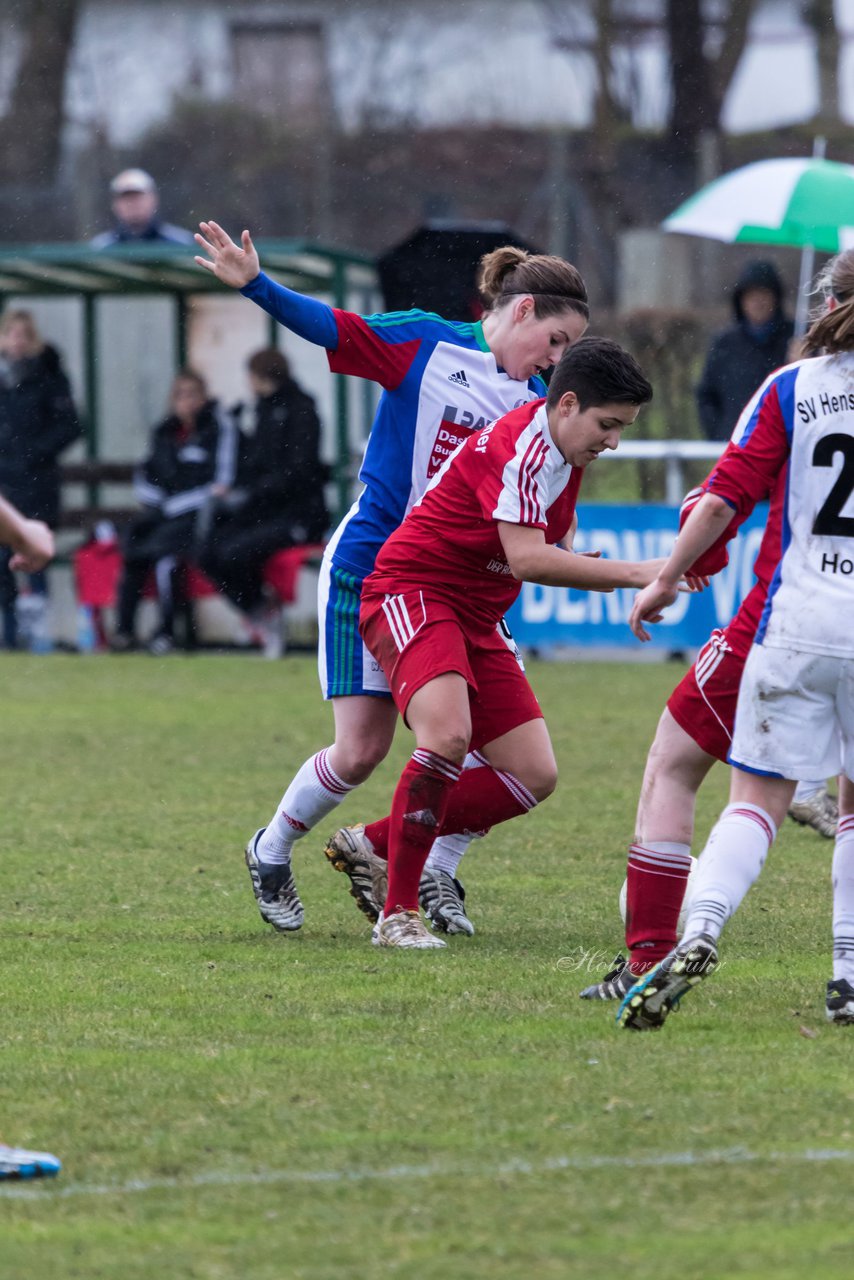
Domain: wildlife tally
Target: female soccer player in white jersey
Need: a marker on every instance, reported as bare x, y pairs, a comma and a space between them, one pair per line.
795, 712
441, 381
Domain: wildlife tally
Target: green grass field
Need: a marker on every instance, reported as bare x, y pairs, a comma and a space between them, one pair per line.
232, 1103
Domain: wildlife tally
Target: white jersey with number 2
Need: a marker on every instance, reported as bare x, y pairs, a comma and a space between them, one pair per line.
804, 415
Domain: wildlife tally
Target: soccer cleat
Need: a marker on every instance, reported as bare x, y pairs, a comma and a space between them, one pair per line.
840, 1002
350, 851
404, 929
443, 901
160, 645
646, 1006
274, 889
821, 812
614, 985
15, 1162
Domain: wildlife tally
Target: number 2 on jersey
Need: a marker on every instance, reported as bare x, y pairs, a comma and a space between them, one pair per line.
829, 522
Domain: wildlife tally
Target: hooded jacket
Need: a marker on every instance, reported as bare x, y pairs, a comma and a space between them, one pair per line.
740, 358
37, 421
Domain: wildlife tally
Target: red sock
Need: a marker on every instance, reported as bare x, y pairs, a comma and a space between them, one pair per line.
481, 799
419, 803
657, 875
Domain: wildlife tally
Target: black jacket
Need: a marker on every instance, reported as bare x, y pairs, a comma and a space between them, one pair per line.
281, 466
739, 360
37, 421
176, 476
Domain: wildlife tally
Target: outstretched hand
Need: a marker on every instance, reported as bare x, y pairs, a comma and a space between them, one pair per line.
649, 606
33, 548
233, 264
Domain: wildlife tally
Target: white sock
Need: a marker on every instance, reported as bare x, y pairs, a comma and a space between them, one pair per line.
447, 851
731, 861
315, 791
805, 791
843, 901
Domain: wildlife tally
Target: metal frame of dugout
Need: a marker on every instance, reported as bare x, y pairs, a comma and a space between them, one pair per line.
145, 270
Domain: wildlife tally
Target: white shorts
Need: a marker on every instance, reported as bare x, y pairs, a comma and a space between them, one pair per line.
795, 715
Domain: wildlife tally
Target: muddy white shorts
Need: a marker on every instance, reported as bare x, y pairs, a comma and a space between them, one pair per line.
795, 715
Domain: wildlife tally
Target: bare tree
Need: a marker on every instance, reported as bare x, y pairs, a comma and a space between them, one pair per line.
819, 15
30, 133
705, 50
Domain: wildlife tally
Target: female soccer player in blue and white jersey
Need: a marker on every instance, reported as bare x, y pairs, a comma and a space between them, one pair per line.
441, 381
795, 714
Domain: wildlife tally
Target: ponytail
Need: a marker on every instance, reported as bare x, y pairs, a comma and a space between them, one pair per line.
554, 284
833, 331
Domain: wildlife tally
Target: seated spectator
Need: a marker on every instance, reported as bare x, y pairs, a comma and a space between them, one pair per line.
37, 421
283, 478
741, 357
190, 468
135, 208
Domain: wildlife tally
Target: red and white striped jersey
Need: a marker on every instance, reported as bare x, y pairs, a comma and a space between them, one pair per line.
511, 471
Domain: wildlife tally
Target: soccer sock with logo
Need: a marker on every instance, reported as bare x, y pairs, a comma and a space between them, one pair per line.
481, 799
656, 877
843, 901
315, 791
419, 804
730, 863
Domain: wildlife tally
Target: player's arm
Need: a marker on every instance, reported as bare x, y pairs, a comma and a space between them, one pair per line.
238, 266
532, 559
704, 526
30, 540
377, 349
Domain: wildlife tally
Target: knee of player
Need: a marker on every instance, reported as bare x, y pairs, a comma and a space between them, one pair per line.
452, 742
357, 759
544, 782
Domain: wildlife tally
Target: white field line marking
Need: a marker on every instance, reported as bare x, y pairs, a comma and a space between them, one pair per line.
48, 1188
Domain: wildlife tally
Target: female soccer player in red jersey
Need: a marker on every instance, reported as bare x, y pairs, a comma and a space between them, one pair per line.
443, 580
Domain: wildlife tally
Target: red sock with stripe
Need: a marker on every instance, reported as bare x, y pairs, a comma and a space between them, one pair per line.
419, 804
481, 799
657, 874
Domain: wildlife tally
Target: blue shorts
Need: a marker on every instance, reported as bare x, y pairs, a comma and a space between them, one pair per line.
345, 666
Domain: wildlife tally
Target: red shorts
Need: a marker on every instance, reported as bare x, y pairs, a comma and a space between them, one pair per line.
703, 703
416, 638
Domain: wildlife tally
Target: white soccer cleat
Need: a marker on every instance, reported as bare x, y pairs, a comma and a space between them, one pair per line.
821, 812
404, 929
15, 1162
275, 890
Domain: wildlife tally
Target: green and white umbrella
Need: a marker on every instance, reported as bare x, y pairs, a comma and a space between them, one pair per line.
801, 202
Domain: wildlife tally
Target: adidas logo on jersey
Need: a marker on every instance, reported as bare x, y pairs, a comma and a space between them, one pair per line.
459, 378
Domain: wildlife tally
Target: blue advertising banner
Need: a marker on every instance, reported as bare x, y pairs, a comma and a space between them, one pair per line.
547, 616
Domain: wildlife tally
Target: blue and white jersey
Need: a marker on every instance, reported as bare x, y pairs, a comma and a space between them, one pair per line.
804, 415
440, 383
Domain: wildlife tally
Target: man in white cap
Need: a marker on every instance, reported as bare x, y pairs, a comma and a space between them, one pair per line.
134, 204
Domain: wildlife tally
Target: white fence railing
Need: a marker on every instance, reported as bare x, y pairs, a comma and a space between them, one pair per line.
674, 453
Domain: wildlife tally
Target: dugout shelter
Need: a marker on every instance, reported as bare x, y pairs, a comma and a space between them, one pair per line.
126, 318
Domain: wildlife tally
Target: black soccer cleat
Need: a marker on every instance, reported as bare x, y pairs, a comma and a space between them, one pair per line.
839, 1005
646, 1006
614, 985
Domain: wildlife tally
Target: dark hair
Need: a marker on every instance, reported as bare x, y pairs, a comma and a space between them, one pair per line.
554, 284
269, 364
599, 371
190, 375
834, 330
